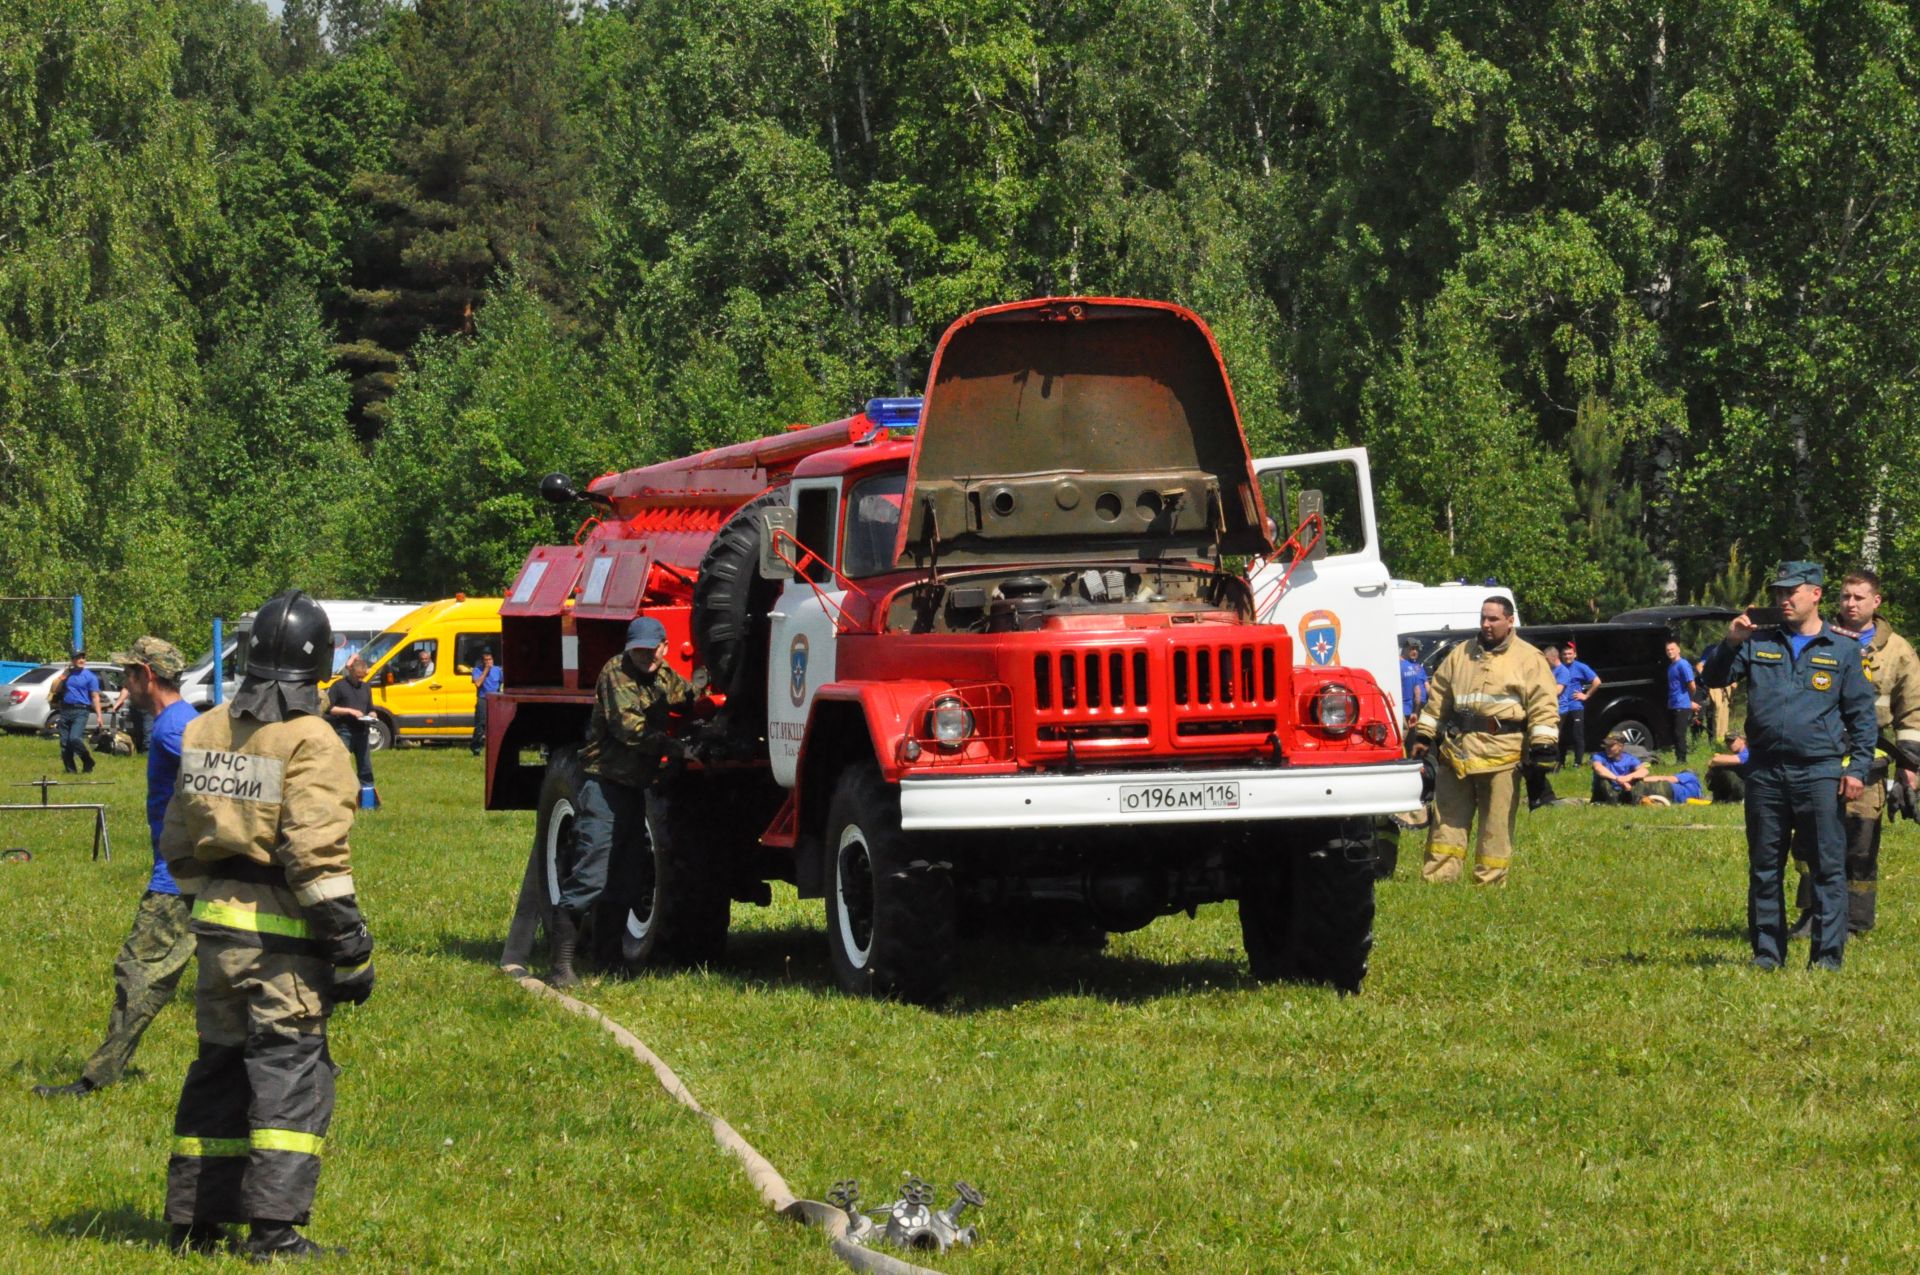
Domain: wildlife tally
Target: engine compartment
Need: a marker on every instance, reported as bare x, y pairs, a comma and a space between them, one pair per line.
1081, 597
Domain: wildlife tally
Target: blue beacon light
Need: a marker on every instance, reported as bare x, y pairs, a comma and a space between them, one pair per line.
894, 413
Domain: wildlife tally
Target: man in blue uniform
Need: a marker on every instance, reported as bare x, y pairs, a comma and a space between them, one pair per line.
1680, 702
79, 689
1577, 684
1810, 736
156, 949
486, 682
1413, 686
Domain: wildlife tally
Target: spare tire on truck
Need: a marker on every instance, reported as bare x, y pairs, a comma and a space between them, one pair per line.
730, 605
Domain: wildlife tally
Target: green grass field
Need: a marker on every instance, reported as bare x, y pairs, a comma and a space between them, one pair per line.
1574, 1072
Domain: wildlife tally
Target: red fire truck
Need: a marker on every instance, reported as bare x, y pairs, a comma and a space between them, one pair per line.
971, 657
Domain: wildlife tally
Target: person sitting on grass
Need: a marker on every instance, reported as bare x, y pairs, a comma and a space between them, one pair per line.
1727, 771
1616, 771
1621, 778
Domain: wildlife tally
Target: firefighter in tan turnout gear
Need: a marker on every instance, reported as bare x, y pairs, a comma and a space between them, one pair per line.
1894, 669
257, 834
1494, 706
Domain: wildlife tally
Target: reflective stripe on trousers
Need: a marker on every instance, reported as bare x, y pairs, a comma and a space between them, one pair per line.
257, 1102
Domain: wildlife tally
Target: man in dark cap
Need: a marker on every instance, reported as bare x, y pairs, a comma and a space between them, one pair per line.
1810, 736
627, 740
257, 833
156, 949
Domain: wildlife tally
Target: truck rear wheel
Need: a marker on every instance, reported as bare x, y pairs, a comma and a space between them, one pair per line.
556, 828
890, 910
671, 906
1309, 917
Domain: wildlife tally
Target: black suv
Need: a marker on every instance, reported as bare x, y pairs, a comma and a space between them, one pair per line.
1630, 659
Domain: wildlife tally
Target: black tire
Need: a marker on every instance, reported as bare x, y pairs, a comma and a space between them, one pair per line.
730, 604
380, 734
669, 900
1309, 918
556, 826
1386, 849
890, 908
1636, 731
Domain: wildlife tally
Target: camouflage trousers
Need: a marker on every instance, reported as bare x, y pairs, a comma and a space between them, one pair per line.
255, 1108
144, 976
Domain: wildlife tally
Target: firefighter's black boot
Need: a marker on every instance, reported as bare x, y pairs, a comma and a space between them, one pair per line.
566, 937
270, 1241
76, 1089
199, 1237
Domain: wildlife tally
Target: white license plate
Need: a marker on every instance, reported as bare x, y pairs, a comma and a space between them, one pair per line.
1150, 799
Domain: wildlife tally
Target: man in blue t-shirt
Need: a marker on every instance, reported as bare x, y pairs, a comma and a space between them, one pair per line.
1616, 771
78, 691
1727, 772
486, 681
1577, 682
156, 951
1413, 687
1680, 698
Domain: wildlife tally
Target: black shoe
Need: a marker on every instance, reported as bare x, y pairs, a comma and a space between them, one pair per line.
566, 938
78, 1089
199, 1237
1803, 928
270, 1242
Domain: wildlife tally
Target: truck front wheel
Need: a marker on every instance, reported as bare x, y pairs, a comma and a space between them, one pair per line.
1308, 917
890, 908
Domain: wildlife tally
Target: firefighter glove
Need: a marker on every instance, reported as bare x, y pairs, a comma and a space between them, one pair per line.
1543, 757
341, 931
352, 984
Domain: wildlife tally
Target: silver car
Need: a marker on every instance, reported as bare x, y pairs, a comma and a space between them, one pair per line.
23, 701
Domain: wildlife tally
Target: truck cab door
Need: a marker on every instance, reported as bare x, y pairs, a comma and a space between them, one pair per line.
802, 634
1338, 605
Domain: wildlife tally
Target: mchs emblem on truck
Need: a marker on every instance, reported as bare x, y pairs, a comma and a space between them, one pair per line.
797, 663
970, 660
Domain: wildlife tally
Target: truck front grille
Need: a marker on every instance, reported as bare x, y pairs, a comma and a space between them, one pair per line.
1091, 680
1228, 675
1171, 693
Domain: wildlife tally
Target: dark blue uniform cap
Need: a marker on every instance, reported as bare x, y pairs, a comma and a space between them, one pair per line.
645, 632
1790, 574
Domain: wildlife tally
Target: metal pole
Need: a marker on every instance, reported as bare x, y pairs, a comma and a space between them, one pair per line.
79, 624
219, 663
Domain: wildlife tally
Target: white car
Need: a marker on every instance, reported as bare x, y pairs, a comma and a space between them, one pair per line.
23, 701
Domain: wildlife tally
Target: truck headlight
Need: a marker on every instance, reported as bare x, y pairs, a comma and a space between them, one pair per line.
1335, 708
950, 721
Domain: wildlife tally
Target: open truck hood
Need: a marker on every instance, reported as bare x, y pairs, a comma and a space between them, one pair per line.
1079, 428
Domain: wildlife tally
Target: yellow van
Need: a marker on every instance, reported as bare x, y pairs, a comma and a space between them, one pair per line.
421, 669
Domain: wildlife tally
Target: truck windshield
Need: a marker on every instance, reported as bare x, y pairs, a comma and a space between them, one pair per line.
376, 650
873, 524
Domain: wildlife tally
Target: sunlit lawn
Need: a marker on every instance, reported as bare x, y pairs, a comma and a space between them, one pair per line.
1574, 1072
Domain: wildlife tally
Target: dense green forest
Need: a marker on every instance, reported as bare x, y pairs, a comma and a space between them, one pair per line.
1623, 294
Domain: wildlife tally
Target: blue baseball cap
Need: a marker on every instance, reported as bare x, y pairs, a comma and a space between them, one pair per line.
645, 632
1790, 575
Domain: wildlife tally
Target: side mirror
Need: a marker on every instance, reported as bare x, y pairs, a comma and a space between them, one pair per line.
386, 676
775, 522
1312, 501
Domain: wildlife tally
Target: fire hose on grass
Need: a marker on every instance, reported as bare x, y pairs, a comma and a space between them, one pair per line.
839, 1220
